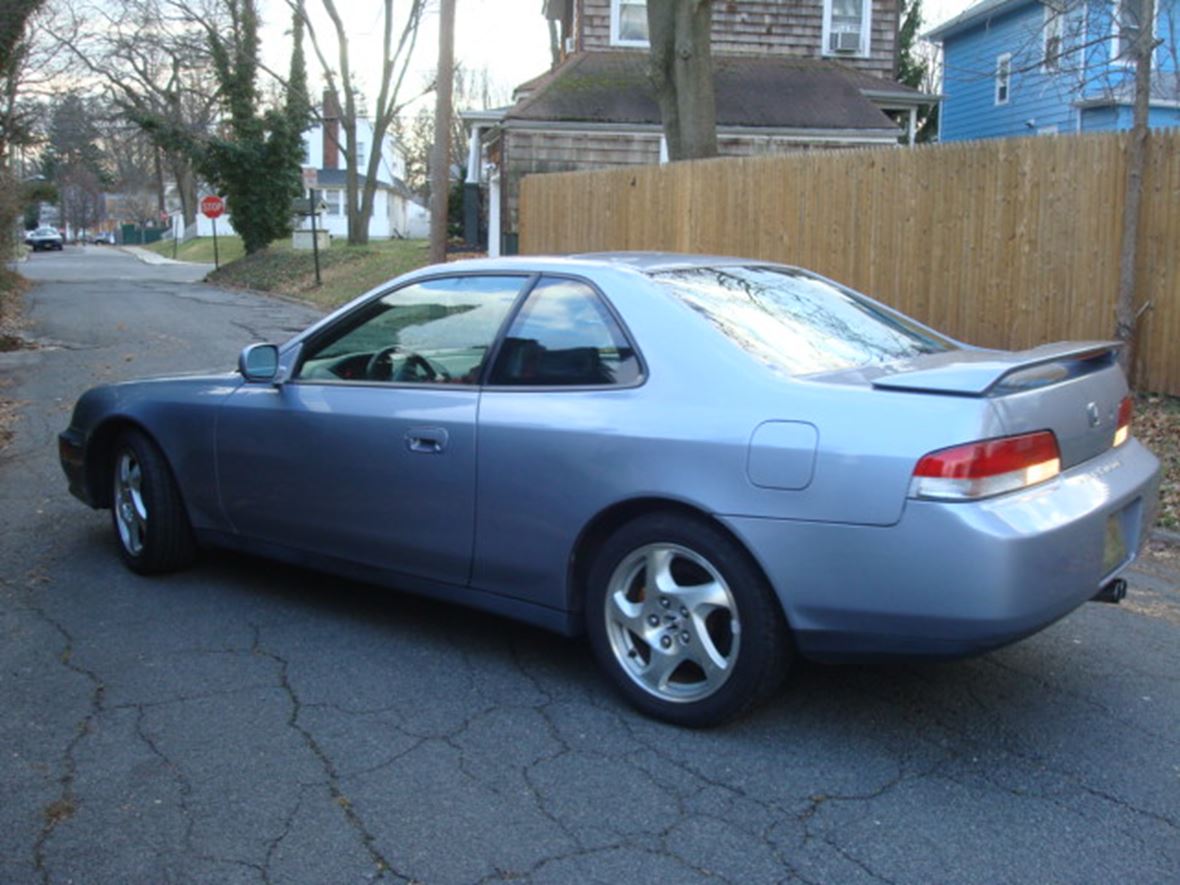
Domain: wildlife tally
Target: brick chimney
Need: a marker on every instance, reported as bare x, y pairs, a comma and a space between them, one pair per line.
331, 115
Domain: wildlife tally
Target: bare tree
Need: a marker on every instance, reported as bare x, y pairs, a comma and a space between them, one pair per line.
1124, 309
395, 59
440, 158
30, 64
679, 32
473, 89
152, 58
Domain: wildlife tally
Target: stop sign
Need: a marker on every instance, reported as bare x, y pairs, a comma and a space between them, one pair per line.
212, 206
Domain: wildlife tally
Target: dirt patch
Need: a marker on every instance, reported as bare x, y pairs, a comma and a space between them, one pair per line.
12, 314
12, 318
1157, 426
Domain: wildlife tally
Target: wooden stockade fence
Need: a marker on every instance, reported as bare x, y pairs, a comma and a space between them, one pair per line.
1006, 243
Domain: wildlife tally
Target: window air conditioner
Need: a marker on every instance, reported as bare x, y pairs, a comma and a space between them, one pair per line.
844, 41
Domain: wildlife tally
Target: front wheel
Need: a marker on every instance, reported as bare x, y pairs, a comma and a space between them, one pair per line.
684, 622
151, 526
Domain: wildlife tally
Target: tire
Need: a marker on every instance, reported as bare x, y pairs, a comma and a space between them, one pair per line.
708, 646
152, 530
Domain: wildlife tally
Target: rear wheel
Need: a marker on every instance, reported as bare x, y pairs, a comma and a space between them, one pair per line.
684, 622
151, 526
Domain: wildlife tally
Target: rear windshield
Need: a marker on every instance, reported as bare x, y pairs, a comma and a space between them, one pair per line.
797, 322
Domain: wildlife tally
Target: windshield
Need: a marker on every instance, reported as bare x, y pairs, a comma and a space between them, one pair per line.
797, 322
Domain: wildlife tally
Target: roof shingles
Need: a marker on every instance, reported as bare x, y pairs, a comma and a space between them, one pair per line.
751, 91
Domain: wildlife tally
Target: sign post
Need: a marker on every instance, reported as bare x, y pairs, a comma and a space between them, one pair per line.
310, 180
211, 207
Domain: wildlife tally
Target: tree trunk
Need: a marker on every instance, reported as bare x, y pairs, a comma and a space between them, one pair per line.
440, 154
1124, 311
186, 186
161, 187
682, 73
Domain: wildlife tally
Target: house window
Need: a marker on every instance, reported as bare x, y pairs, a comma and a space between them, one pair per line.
628, 23
1003, 77
846, 27
1054, 28
334, 201
1126, 28
360, 154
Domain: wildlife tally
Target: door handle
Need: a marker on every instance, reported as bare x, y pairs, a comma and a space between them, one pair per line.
426, 440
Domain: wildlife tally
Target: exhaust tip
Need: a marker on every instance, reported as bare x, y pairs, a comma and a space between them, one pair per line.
1113, 592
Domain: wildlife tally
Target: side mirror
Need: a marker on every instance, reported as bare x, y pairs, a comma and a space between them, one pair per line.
259, 362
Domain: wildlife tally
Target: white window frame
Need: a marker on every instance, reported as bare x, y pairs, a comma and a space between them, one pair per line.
866, 32
1054, 26
335, 204
361, 159
615, 12
1003, 62
1116, 36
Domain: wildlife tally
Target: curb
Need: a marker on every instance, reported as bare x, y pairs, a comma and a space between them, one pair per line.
146, 257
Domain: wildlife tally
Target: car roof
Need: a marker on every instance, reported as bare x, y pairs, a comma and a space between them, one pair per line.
643, 262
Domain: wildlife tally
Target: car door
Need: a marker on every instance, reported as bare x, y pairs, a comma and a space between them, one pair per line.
554, 444
368, 453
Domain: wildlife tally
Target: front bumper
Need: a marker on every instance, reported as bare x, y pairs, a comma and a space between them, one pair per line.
71, 450
954, 579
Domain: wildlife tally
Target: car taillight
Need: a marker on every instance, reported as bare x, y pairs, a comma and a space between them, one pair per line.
1123, 431
991, 467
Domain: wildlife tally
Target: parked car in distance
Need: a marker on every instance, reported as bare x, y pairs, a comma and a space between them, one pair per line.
44, 238
707, 465
103, 238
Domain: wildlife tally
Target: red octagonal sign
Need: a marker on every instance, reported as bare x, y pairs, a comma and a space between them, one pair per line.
212, 206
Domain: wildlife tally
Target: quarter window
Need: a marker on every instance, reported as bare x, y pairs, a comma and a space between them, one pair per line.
564, 336
433, 332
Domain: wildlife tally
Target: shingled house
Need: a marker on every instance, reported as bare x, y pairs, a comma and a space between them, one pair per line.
789, 75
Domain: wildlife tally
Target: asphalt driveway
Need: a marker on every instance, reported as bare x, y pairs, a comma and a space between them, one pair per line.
246, 722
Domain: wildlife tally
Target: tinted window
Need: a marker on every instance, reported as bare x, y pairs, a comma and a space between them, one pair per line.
565, 336
797, 322
433, 332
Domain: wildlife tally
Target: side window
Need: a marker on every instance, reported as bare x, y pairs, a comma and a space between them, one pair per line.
432, 332
565, 336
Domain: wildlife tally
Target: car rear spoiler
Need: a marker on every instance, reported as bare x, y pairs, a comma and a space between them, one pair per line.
985, 373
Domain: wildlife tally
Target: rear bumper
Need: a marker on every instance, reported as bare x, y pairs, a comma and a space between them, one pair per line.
954, 579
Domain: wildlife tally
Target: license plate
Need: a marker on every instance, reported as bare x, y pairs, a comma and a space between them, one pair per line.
1114, 548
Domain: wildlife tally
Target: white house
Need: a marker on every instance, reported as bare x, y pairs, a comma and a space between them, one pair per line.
396, 212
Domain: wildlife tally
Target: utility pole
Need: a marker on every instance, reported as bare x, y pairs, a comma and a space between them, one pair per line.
440, 154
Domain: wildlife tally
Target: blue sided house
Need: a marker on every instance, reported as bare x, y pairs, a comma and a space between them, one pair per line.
1030, 67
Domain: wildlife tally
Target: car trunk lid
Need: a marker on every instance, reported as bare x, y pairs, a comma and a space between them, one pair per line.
1072, 389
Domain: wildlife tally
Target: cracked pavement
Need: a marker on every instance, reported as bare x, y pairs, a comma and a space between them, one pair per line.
248, 722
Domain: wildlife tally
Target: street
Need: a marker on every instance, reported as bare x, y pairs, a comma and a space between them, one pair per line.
250, 722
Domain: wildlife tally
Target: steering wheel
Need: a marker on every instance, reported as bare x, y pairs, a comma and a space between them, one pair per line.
374, 370
416, 367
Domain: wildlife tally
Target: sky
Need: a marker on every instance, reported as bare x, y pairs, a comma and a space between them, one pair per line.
509, 38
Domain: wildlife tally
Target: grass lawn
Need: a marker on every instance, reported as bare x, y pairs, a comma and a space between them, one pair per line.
346, 271
200, 250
